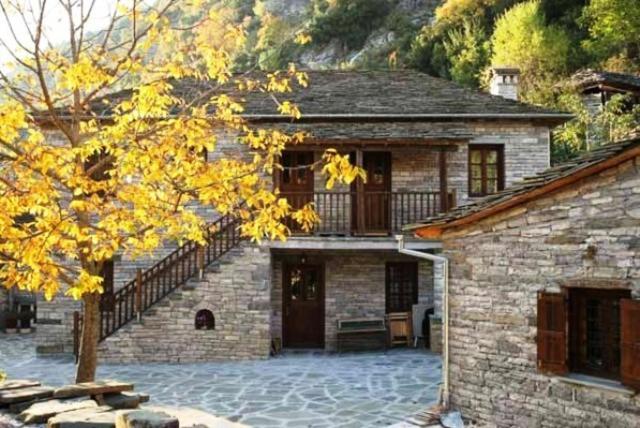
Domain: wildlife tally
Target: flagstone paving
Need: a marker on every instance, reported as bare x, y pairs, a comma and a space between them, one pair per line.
302, 389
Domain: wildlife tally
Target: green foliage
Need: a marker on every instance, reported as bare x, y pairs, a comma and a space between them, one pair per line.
522, 38
3, 376
458, 26
468, 52
618, 119
349, 21
614, 30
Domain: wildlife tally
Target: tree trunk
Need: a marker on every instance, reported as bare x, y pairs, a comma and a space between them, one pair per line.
88, 350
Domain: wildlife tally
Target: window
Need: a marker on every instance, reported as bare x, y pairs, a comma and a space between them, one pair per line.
594, 331
296, 168
590, 331
486, 169
401, 286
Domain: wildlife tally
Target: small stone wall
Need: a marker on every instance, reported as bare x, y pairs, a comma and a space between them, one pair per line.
588, 233
237, 295
354, 287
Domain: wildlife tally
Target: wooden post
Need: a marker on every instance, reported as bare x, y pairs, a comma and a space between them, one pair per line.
359, 195
444, 190
139, 294
200, 253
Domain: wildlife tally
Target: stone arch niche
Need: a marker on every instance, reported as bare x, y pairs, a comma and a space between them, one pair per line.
205, 320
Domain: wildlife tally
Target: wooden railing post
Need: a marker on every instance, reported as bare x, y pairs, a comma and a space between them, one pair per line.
360, 202
444, 192
200, 258
139, 294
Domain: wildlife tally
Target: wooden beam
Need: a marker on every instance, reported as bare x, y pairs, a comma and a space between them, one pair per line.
444, 185
450, 144
360, 222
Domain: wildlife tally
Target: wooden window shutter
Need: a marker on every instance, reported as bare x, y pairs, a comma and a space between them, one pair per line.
630, 343
552, 333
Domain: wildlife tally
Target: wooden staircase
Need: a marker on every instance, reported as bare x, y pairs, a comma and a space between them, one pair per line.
163, 278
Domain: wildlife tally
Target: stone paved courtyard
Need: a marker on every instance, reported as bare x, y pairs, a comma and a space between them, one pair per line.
294, 390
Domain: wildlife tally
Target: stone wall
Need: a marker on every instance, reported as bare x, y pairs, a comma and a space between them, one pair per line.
54, 333
588, 234
526, 152
236, 292
354, 287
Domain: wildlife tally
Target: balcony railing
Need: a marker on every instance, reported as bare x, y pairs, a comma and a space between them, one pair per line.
367, 213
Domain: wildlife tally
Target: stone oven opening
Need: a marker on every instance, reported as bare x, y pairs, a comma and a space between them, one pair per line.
205, 320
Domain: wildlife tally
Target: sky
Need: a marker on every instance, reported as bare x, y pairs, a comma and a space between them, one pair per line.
57, 27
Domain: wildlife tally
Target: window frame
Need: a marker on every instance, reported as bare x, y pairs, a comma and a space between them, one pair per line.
410, 269
577, 331
484, 149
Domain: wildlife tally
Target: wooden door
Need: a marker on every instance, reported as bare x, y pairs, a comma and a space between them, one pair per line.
296, 181
375, 203
303, 306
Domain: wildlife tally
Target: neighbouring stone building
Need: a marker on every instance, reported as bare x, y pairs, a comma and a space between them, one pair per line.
544, 296
427, 145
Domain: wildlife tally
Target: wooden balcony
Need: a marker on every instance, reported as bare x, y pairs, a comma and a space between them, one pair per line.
367, 213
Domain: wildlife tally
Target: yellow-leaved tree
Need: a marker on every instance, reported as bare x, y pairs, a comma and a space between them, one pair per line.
99, 154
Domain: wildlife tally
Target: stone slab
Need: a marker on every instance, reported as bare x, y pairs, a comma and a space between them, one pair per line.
100, 417
25, 394
17, 384
92, 388
145, 418
122, 400
41, 412
192, 418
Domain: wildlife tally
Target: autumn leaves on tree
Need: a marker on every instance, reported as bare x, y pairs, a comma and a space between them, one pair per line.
100, 155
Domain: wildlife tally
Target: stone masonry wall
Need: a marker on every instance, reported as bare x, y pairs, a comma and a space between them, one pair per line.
354, 287
526, 152
236, 292
587, 234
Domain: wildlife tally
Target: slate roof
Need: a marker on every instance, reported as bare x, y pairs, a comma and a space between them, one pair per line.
530, 184
373, 94
588, 79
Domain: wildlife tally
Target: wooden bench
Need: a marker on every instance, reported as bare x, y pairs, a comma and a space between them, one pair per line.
362, 334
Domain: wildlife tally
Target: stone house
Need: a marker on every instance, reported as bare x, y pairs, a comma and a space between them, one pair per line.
544, 296
427, 146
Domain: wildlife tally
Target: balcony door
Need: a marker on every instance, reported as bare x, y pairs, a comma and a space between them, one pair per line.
374, 205
296, 181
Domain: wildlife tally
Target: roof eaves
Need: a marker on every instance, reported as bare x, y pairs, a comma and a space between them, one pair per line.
524, 192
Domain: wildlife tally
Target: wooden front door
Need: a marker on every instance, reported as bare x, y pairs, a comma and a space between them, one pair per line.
296, 181
375, 202
303, 306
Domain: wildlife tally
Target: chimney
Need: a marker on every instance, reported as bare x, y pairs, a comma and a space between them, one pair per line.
504, 82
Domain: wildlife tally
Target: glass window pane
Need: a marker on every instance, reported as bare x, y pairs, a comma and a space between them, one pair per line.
296, 284
476, 172
311, 285
476, 156
492, 186
302, 176
492, 157
492, 171
476, 187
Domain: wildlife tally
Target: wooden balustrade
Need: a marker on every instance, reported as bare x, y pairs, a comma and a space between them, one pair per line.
384, 212
153, 284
